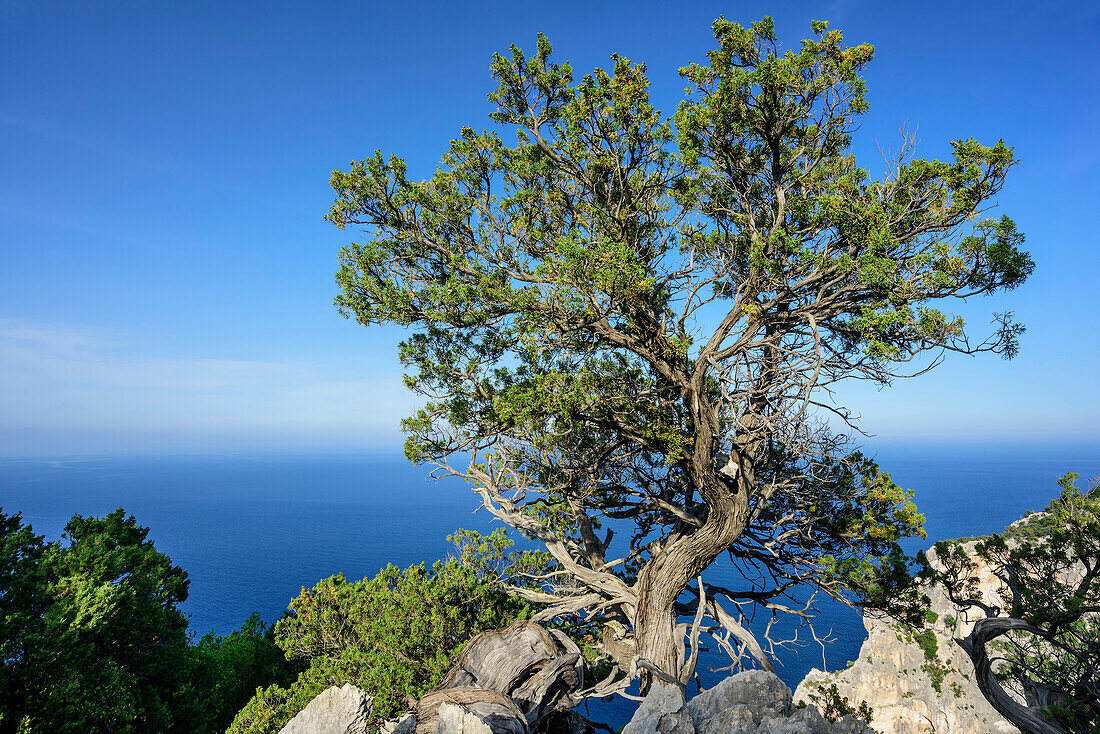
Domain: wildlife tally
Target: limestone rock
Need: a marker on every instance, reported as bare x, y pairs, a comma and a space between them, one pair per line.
918, 685
805, 721
336, 710
738, 701
662, 712
402, 725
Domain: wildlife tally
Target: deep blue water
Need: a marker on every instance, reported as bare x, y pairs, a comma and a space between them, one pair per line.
252, 531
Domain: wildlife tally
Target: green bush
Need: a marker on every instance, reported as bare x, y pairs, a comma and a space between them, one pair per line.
225, 672
92, 638
394, 635
834, 706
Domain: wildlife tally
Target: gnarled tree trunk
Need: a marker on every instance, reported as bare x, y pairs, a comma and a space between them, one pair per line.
655, 623
1028, 718
668, 574
513, 679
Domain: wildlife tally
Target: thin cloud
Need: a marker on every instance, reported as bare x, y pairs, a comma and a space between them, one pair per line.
61, 377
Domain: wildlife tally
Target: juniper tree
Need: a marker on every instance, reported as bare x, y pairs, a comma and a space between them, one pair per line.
1036, 651
620, 317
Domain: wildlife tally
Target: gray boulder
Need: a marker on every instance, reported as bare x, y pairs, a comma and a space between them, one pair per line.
402, 725
752, 702
663, 711
740, 702
336, 710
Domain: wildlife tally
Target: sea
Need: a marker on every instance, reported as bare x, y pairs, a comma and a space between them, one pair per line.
253, 530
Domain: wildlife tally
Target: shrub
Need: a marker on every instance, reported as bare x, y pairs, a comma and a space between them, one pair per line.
394, 635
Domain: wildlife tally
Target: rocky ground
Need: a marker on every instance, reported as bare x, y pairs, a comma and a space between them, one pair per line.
915, 683
753, 702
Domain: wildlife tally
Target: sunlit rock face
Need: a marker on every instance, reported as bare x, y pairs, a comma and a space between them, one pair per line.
336, 710
922, 683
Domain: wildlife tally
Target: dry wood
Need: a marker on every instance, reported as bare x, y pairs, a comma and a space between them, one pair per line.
492, 707
538, 671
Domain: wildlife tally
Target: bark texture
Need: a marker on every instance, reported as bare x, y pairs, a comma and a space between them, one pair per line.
522, 673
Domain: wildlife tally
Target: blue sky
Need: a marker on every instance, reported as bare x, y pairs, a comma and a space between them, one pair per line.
167, 275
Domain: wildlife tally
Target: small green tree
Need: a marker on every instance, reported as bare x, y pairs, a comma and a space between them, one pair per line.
93, 639
23, 603
1037, 659
117, 641
834, 706
621, 316
224, 672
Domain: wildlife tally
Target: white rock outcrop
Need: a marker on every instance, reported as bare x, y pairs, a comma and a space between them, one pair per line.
918, 683
337, 710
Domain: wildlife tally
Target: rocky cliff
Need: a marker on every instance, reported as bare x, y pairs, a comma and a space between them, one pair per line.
917, 683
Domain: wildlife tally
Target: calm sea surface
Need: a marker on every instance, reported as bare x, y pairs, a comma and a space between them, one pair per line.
252, 531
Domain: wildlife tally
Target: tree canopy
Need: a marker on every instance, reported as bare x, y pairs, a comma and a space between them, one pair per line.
100, 638
622, 316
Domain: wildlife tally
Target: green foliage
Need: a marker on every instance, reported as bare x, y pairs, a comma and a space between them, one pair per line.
927, 642
932, 665
1049, 562
112, 643
272, 707
868, 506
394, 635
591, 202
1046, 557
226, 670
834, 706
93, 640
491, 558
